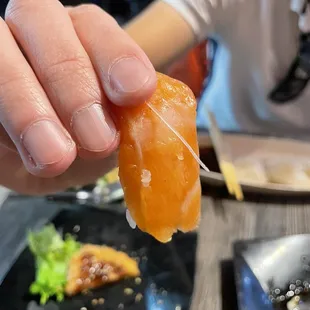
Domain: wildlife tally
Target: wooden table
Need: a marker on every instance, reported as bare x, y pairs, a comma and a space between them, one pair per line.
223, 222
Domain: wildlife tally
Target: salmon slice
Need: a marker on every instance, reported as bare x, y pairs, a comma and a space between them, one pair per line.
159, 174
94, 266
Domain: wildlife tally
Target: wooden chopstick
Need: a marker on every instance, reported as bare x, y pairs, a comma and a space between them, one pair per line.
227, 167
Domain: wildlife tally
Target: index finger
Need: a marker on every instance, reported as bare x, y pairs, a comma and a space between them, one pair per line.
127, 75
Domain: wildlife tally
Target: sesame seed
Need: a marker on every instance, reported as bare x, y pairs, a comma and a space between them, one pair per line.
86, 292
76, 228
92, 270
290, 294
128, 291
138, 297
79, 281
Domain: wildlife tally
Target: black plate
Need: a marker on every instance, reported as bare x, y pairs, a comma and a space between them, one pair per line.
167, 269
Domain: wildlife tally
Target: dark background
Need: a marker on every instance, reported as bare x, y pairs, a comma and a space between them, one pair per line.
122, 10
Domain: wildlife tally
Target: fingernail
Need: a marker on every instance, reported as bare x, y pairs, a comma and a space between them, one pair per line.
45, 142
128, 75
94, 128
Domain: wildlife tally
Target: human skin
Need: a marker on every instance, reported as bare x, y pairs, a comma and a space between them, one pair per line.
61, 70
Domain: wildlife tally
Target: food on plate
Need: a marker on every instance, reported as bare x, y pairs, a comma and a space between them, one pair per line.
93, 266
295, 296
65, 266
158, 160
52, 256
287, 172
264, 171
109, 178
112, 176
306, 169
250, 171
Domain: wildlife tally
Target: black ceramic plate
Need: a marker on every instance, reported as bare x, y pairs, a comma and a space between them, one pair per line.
167, 269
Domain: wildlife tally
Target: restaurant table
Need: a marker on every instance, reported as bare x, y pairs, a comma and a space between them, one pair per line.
223, 222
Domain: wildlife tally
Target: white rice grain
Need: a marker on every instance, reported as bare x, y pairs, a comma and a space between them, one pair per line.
146, 177
130, 220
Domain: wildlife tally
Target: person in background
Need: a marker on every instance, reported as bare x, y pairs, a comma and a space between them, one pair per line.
58, 66
260, 70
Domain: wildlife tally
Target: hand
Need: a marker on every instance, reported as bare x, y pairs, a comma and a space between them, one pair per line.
60, 72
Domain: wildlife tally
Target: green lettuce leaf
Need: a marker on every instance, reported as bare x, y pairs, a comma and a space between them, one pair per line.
52, 255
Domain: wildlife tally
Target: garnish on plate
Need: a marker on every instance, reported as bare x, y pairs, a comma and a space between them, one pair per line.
94, 266
67, 267
52, 256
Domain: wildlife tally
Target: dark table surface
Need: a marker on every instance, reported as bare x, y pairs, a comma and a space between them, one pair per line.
223, 222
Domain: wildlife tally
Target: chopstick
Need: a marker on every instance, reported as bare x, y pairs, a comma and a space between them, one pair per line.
227, 167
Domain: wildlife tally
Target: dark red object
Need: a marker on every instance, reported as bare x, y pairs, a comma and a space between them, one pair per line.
191, 69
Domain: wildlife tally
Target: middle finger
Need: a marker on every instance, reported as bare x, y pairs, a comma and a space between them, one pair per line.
46, 34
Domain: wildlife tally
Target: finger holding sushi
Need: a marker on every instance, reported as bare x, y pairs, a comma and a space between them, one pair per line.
60, 71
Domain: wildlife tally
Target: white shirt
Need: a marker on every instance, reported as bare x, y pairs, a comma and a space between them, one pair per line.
258, 40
